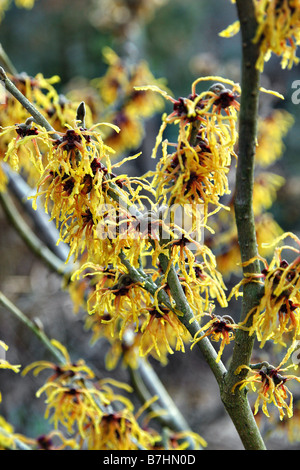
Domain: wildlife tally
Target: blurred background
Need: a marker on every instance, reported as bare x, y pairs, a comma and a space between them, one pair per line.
180, 42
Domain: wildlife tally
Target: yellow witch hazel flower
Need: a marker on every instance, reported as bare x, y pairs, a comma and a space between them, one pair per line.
266, 186
122, 104
278, 313
86, 199
180, 441
290, 427
118, 302
130, 318
267, 230
220, 329
54, 440
226, 246
278, 30
198, 274
63, 371
196, 170
24, 146
121, 430
4, 364
270, 384
85, 408
224, 242
161, 333
18, 142
271, 131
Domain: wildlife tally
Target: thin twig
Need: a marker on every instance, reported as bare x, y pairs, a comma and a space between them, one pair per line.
35, 113
31, 240
6, 62
32, 326
45, 227
147, 384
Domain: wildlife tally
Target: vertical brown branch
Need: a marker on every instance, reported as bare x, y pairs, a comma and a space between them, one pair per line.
237, 404
243, 204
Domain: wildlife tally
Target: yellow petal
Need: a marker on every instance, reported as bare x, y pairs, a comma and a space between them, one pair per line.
271, 92
153, 88
231, 30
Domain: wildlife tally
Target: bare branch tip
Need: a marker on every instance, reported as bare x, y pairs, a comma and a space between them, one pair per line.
80, 114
